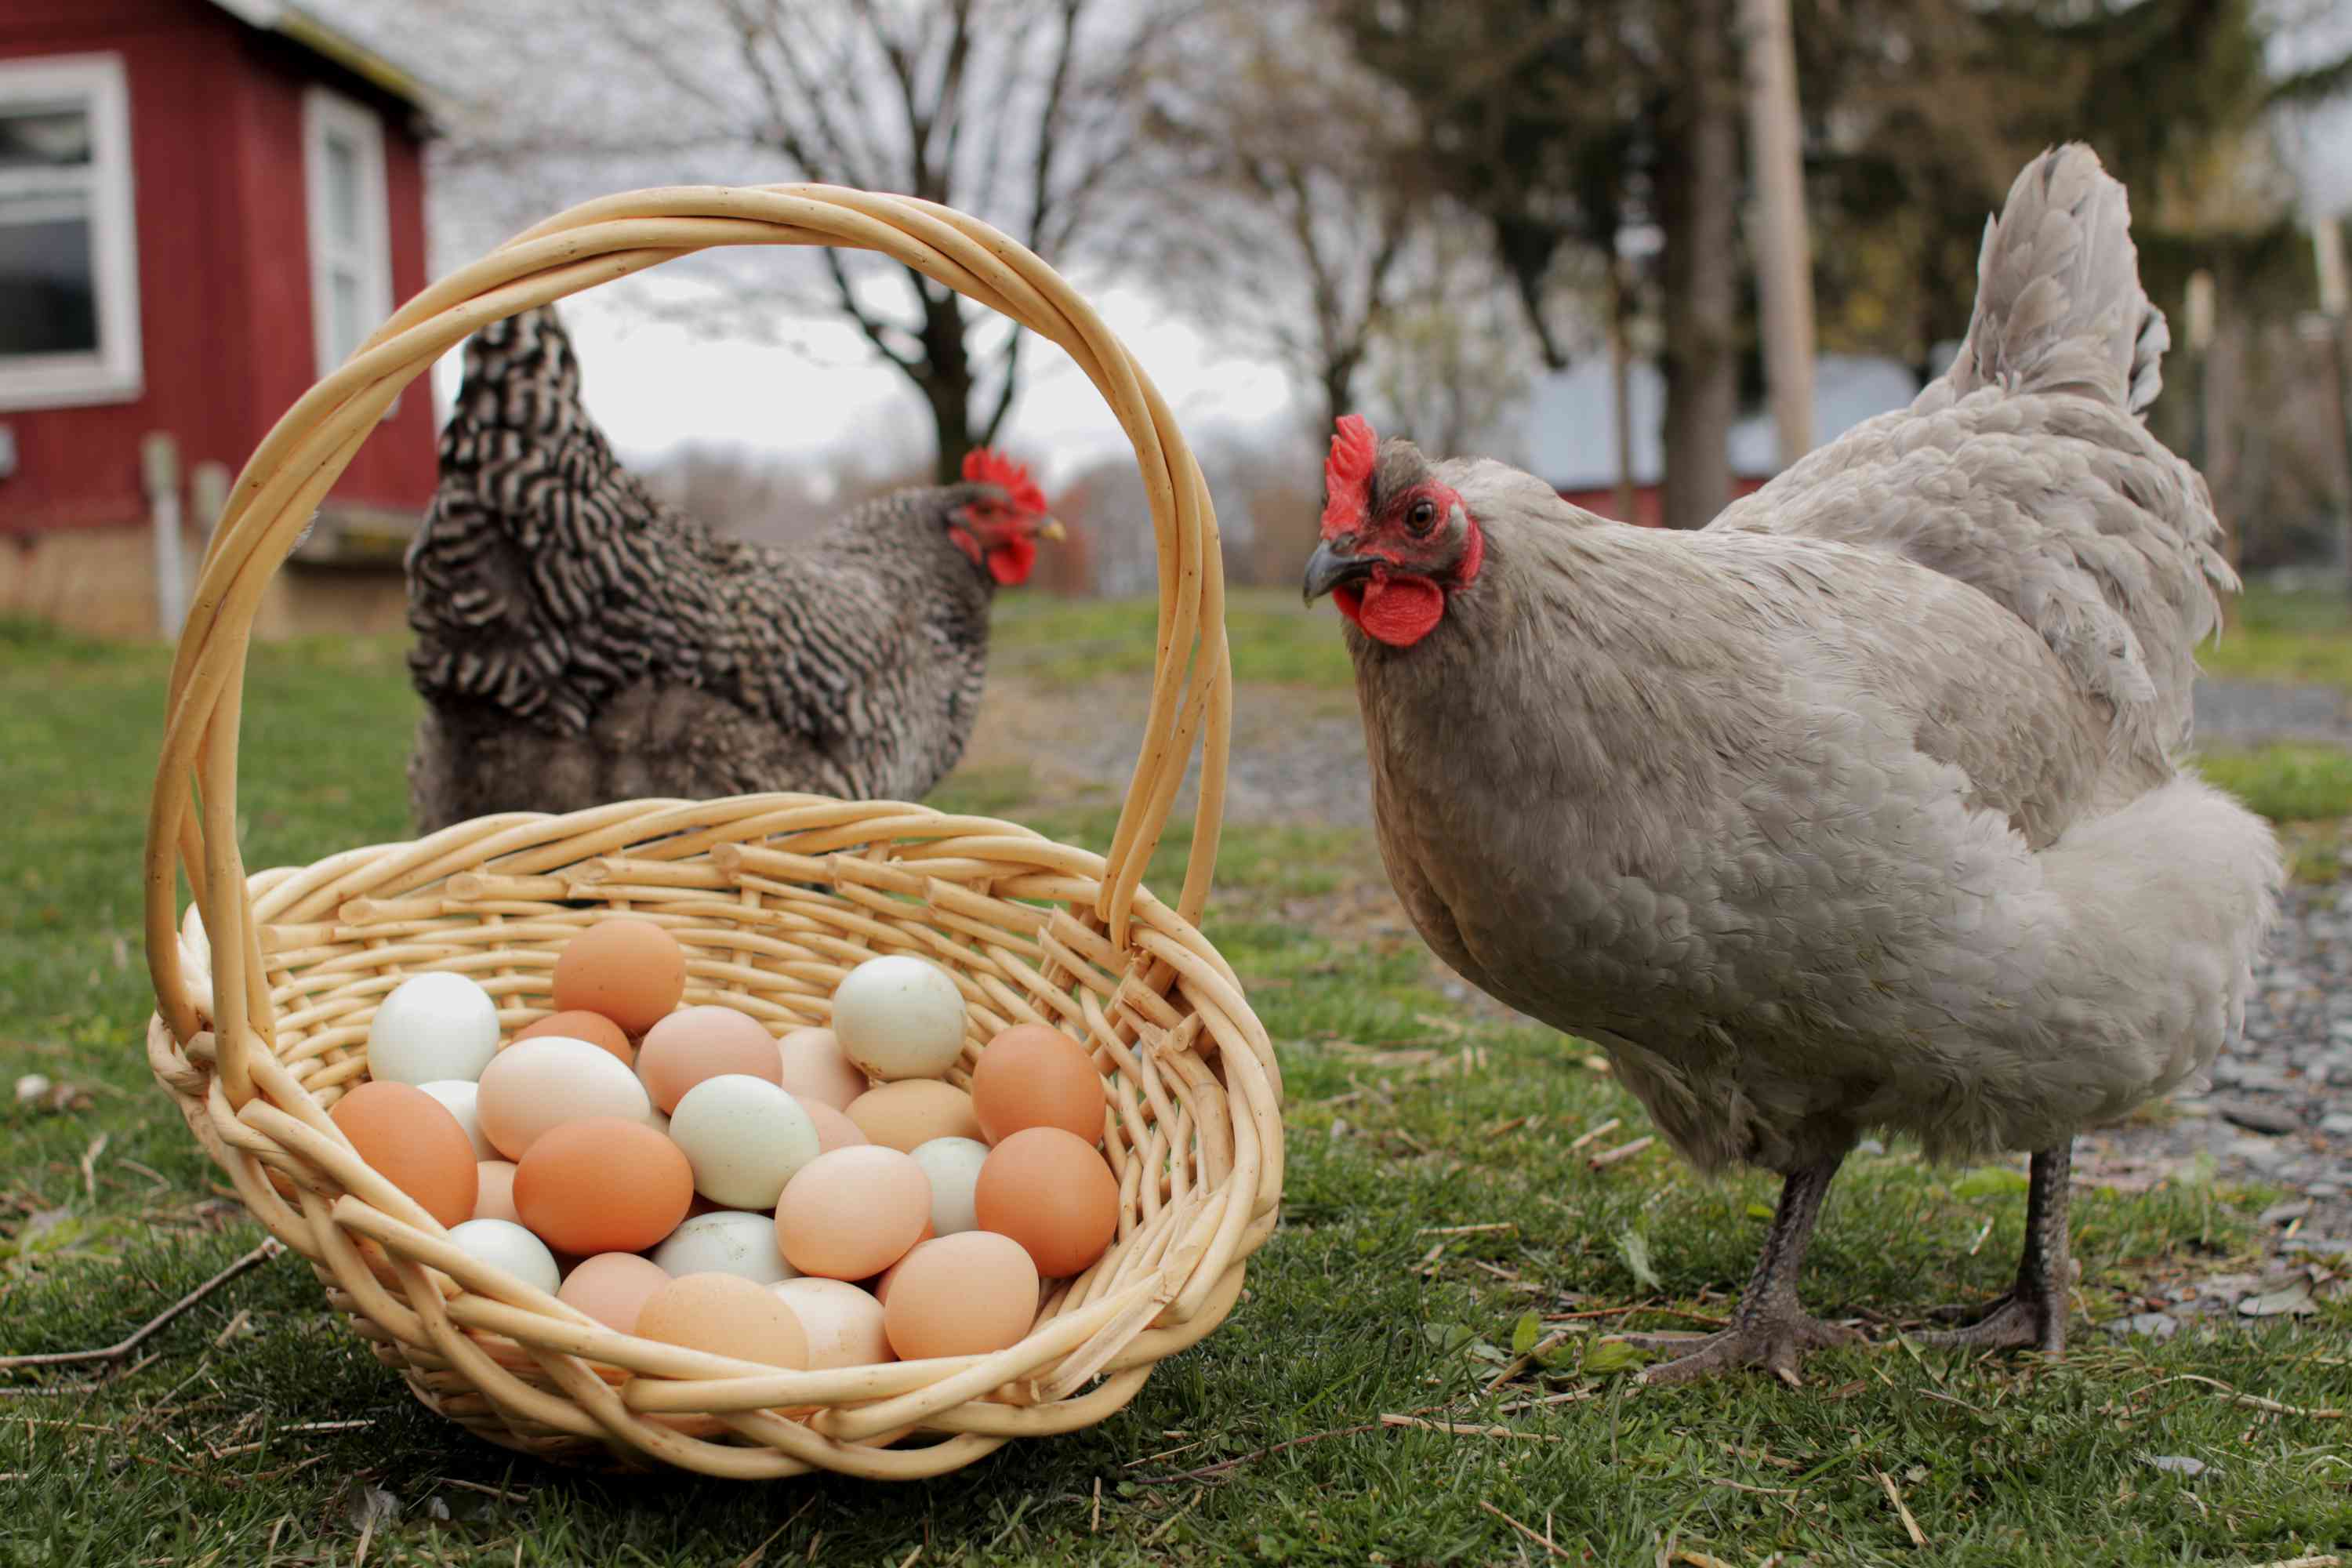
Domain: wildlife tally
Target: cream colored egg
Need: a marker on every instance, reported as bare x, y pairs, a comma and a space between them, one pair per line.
432, 1027
843, 1323
745, 1137
543, 1082
726, 1241
899, 1017
461, 1096
505, 1246
953, 1166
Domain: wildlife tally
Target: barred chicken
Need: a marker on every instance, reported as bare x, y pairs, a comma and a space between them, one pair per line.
579, 642
1865, 808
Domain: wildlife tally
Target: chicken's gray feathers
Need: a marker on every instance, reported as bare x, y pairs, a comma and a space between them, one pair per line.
2026, 470
2059, 304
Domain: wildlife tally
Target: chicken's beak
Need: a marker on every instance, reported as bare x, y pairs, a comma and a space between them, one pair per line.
1327, 568
1052, 529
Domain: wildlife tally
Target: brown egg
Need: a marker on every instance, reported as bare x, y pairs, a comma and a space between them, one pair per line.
835, 1129
602, 1185
494, 1198
613, 1288
851, 1214
966, 1294
631, 971
816, 1068
1051, 1191
726, 1315
913, 1111
696, 1043
1031, 1076
415, 1143
580, 1025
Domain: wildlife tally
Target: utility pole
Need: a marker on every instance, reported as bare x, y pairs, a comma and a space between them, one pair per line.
1783, 258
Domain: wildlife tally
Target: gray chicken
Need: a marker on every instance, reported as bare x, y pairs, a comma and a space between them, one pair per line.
579, 642
1863, 808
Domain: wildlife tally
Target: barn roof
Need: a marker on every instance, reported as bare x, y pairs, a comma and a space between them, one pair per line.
1569, 429
323, 38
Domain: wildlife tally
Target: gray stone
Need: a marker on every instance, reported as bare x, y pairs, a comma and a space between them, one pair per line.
2257, 1118
2337, 1124
2155, 1325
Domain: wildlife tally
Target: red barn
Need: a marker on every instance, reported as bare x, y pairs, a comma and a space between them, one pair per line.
205, 206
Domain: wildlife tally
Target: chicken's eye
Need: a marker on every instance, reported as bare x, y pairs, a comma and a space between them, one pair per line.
1423, 517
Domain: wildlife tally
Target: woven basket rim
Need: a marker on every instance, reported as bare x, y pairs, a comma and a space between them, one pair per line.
215, 1039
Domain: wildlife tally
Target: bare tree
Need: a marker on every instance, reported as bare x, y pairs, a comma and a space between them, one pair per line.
1023, 113
1298, 224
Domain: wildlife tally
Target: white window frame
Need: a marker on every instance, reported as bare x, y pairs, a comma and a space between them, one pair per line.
324, 112
115, 372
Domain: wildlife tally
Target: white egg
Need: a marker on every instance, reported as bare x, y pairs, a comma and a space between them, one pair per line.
842, 1322
548, 1079
725, 1241
744, 1137
899, 1017
504, 1245
432, 1028
459, 1095
953, 1166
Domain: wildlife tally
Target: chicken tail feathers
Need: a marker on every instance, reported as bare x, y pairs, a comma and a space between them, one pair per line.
2059, 304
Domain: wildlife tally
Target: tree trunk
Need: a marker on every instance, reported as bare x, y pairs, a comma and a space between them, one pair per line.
945, 377
1621, 384
1784, 274
1698, 181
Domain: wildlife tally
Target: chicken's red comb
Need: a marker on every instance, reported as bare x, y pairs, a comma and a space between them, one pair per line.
983, 467
1348, 475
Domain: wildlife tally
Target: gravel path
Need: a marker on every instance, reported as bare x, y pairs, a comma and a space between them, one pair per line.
2251, 713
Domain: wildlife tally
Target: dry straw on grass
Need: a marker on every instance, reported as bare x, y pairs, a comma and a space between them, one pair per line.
266, 987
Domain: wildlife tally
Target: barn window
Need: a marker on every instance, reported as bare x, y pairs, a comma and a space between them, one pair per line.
68, 247
351, 246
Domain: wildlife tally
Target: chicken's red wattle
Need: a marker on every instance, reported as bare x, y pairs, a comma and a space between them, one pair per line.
1397, 610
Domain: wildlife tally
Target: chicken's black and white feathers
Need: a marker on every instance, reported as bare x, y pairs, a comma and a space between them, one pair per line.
579, 641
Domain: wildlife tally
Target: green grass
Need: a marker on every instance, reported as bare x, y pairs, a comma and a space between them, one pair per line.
1274, 641
1406, 1113
2285, 637
2287, 782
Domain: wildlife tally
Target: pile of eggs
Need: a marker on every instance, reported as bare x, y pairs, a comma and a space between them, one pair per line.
822, 1200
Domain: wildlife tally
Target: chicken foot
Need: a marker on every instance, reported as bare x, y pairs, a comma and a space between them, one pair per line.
2033, 1314
1770, 1328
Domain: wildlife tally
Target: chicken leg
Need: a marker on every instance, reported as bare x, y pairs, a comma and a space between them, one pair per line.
2032, 1315
1770, 1328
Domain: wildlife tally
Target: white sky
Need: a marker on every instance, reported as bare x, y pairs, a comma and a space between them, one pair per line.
654, 384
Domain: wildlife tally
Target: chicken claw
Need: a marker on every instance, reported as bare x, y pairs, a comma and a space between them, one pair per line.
2033, 1314
1769, 1329
1775, 1340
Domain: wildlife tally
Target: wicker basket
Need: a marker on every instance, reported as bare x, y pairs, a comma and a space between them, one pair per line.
265, 989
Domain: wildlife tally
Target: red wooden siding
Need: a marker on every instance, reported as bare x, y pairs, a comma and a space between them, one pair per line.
224, 262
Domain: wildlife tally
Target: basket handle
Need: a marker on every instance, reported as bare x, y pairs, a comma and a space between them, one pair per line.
191, 817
